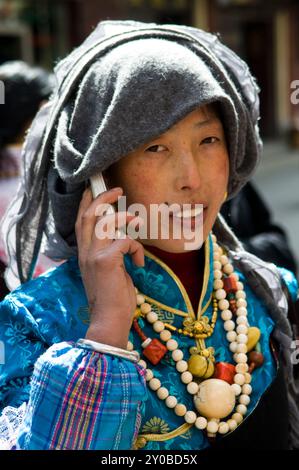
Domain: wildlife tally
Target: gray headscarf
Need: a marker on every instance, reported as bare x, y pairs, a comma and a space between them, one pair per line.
126, 84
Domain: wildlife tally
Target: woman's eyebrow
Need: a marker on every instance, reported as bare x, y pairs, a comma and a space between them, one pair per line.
211, 120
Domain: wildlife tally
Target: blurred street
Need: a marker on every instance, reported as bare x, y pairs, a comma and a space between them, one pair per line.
277, 179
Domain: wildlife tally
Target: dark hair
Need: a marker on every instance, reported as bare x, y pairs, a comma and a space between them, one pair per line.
25, 87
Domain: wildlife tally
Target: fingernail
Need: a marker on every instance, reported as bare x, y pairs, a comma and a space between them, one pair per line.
117, 189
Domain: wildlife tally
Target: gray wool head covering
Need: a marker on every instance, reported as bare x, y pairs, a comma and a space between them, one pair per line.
126, 84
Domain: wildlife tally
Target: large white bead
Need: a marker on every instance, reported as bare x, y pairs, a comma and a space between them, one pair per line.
239, 379
130, 346
232, 424
212, 427
246, 389
142, 363
242, 330
233, 346
237, 417
241, 358
223, 304
242, 409
149, 375
217, 265
158, 326
244, 400
154, 384
248, 378
145, 308
241, 311
242, 320
172, 344
165, 335
140, 299
192, 388
223, 428
242, 348
215, 398
190, 417
241, 303
228, 268
218, 284
240, 285
219, 249
231, 336
171, 401
177, 355
223, 260
217, 274
182, 366
226, 315
186, 377
180, 409
242, 339
241, 368
229, 325
220, 294
240, 294
236, 389
162, 393
152, 317
201, 423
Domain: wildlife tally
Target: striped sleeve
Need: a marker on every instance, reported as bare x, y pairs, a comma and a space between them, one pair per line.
82, 399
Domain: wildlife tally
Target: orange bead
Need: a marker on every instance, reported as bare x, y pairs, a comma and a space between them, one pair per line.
230, 285
224, 371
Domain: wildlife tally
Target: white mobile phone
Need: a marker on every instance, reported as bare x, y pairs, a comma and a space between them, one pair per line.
98, 186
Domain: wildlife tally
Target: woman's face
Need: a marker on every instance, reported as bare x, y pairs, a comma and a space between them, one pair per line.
188, 164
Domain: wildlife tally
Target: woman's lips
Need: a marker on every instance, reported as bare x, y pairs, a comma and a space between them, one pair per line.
191, 222
188, 213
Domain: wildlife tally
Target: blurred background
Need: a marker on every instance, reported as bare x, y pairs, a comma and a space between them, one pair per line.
264, 33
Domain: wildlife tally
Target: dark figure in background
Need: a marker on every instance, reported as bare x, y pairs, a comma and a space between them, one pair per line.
250, 218
26, 89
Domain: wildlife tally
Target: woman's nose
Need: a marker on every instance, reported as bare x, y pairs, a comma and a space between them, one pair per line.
187, 175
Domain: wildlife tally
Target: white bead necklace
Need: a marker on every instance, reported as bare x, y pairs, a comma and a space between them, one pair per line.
214, 399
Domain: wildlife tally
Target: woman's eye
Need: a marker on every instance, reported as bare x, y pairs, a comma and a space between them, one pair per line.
155, 148
210, 140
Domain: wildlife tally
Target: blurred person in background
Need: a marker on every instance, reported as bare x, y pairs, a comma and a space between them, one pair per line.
251, 220
26, 89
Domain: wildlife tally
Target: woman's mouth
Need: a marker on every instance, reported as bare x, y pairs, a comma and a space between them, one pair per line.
190, 218
189, 213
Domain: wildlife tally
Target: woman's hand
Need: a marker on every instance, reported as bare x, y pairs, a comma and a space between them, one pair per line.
109, 288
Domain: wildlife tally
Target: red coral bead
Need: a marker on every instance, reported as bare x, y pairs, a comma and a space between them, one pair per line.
155, 351
230, 285
224, 371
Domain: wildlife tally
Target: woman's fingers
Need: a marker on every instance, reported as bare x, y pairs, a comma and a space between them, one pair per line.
96, 229
121, 247
83, 206
107, 228
88, 213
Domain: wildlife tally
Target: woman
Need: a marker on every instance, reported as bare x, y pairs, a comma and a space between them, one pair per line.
174, 121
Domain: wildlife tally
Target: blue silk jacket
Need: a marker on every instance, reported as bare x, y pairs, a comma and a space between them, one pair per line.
40, 324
